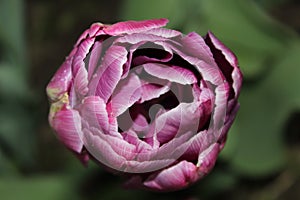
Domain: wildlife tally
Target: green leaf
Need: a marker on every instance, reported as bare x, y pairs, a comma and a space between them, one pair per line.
35, 188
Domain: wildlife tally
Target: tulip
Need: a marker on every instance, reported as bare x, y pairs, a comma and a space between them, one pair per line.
147, 102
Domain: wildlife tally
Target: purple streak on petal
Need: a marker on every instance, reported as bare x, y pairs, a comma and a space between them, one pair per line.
173, 178
172, 73
130, 27
95, 114
67, 125
127, 92
109, 73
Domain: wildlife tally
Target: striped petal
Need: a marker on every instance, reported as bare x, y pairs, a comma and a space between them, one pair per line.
129, 27
67, 124
172, 73
109, 73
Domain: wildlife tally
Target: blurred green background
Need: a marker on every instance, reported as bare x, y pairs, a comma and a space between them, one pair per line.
261, 160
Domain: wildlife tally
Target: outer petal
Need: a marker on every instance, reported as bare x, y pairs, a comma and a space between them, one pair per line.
61, 81
227, 62
129, 27
228, 122
207, 159
67, 124
166, 33
173, 178
94, 30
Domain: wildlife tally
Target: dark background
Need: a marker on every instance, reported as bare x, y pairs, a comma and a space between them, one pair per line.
261, 160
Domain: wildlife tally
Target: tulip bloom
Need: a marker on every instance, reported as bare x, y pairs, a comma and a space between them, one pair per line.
146, 101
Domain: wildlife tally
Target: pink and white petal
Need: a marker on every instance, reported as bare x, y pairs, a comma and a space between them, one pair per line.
220, 111
130, 27
228, 122
128, 64
126, 93
226, 60
141, 146
207, 68
67, 124
101, 150
93, 59
109, 73
91, 32
81, 53
172, 73
166, 33
61, 81
195, 46
96, 29
138, 38
207, 159
237, 77
94, 113
185, 117
229, 55
198, 143
152, 91
81, 82
140, 124
172, 149
173, 178
159, 158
